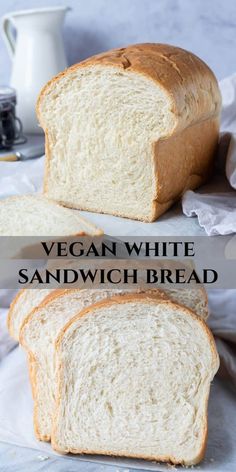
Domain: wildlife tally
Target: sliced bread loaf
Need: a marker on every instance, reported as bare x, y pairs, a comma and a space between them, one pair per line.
35, 215
26, 300
134, 376
129, 130
42, 326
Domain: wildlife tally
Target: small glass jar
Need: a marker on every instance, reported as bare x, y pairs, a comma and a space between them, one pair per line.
10, 125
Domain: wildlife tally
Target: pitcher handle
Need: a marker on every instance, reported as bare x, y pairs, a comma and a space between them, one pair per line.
7, 35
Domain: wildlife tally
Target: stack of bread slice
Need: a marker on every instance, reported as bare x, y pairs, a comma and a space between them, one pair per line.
120, 372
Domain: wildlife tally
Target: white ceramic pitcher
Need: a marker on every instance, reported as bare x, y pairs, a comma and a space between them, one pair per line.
37, 55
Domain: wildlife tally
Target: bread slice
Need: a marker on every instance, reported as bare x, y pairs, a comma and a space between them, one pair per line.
40, 329
35, 215
129, 130
23, 303
193, 298
134, 375
38, 335
26, 300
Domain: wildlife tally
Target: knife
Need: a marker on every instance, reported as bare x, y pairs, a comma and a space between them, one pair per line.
30, 153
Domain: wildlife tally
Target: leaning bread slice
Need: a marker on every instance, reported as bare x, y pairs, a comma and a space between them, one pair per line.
40, 329
35, 215
134, 376
23, 303
194, 298
26, 300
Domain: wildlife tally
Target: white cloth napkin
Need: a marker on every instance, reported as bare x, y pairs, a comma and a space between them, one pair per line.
216, 212
231, 160
228, 114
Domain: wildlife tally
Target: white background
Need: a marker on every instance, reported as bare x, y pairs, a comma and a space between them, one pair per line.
206, 27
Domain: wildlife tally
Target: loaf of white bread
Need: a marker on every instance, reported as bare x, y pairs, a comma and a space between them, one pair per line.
38, 318
129, 130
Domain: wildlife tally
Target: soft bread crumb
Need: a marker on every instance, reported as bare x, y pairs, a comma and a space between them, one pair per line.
149, 359
35, 215
43, 325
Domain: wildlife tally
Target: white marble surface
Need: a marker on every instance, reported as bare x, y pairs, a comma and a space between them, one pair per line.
206, 27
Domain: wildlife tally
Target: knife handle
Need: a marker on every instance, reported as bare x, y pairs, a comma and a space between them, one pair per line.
9, 158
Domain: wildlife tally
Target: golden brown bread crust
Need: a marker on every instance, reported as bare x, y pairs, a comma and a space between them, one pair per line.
32, 361
119, 300
11, 310
16, 300
190, 83
197, 146
13, 304
168, 459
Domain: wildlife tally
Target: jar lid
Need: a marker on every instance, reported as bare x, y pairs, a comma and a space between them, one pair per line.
7, 93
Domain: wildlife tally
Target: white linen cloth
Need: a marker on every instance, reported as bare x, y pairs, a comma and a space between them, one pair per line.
216, 212
231, 162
